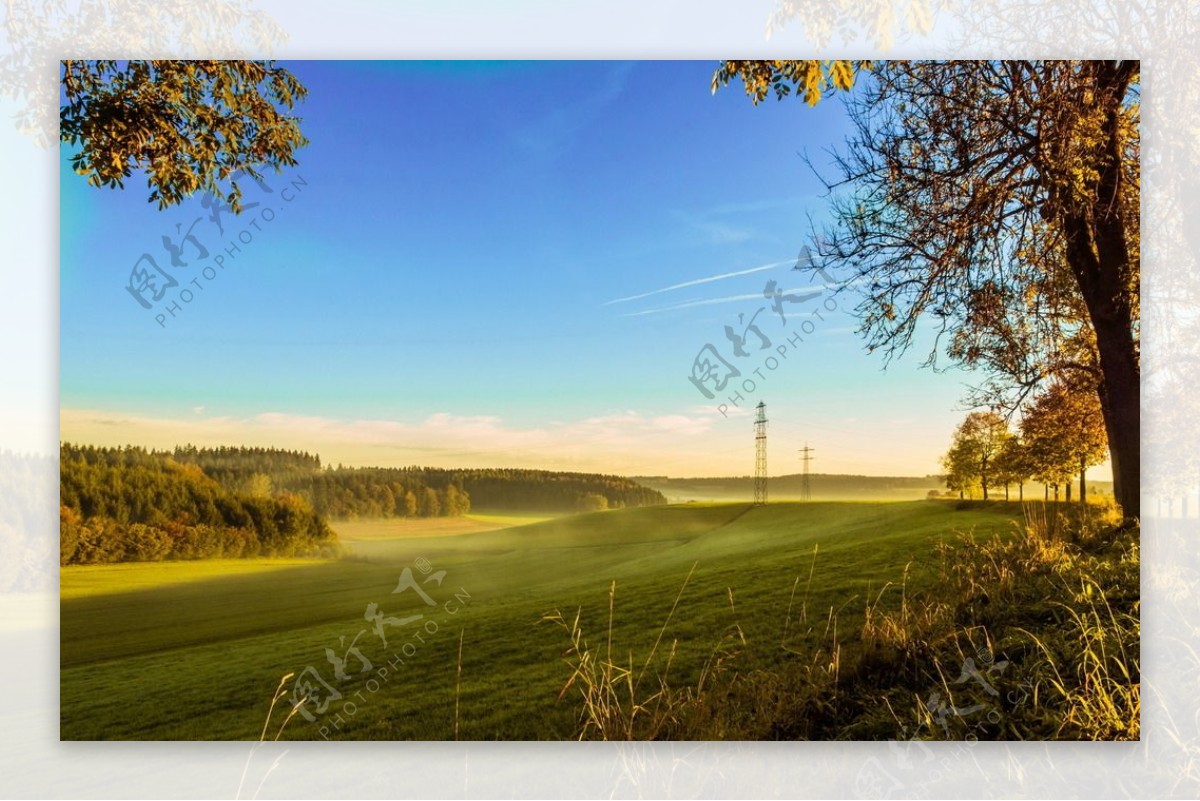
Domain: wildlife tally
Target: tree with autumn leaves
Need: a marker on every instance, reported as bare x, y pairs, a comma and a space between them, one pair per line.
187, 126
1012, 466
1061, 435
1064, 432
970, 461
998, 201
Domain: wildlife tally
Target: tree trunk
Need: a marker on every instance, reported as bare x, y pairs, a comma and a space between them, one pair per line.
1069, 483
1021, 492
1082, 482
1122, 422
1097, 249
1056, 493
1006, 492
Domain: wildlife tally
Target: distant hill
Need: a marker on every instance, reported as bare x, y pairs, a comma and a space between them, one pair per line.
824, 487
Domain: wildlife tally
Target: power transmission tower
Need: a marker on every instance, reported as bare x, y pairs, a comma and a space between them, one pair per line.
805, 486
760, 454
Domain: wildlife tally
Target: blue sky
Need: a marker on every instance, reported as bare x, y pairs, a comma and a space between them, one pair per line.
435, 284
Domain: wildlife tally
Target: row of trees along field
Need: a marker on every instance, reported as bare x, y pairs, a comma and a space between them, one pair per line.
1060, 435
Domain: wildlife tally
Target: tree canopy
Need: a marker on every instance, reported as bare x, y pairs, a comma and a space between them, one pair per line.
977, 443
1064, 430
810, 79
1012, 466
187, 125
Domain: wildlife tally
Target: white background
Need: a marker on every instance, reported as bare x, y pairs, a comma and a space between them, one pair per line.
33, 763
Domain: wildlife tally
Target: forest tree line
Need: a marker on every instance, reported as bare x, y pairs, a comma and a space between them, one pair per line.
130, 504
134, 504
340, 493
347, 492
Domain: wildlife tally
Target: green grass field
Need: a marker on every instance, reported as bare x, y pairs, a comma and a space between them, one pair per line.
195, 650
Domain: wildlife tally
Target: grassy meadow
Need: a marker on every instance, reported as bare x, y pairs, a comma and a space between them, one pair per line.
693, 621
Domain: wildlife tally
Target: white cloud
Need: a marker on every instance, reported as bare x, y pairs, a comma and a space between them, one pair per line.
626, 441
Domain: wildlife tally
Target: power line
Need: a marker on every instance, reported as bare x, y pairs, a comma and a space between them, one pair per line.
760, 454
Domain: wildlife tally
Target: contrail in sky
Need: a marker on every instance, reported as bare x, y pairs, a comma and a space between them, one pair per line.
687, 304
707, 280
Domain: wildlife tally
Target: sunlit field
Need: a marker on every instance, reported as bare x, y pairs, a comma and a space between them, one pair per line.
183, 650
